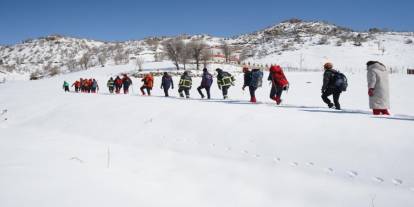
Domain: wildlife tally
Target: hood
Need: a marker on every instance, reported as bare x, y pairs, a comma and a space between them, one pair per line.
377, 66
275, 68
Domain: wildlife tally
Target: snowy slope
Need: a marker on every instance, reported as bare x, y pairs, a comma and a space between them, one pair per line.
174, 152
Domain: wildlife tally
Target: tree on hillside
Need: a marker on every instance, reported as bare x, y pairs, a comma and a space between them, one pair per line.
84, 61
174, 49
102, 57
186, 55
206, 56
139, 61
121, 57
196, 48
227, 51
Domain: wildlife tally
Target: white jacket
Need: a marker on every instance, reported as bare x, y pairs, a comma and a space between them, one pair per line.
377, 77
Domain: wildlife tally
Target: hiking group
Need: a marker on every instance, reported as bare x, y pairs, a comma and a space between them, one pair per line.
83, 85
333, 84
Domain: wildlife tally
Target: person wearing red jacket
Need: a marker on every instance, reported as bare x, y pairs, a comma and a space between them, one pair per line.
77, 85
279, 83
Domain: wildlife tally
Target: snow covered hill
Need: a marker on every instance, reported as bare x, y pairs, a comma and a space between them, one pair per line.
293, 44
68, 149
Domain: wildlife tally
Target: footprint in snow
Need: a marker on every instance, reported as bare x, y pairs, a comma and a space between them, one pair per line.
76, 159
257, 156
213, 145
310, 164
329, 170
351, 173
245, 152
228, 148
397, 181
276, 159
294, 164
378, 179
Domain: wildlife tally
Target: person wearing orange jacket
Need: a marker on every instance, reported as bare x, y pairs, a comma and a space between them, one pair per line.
148, 84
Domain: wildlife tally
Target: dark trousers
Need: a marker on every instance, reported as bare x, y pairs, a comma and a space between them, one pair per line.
186, 91
148, 90
111, 89
336, 93
118, 89
201, 92
276, 91
126, 89
166, 91
252, 91
76, 89
225, 90
66, 88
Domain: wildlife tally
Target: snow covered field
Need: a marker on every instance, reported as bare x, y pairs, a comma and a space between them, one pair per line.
72, 149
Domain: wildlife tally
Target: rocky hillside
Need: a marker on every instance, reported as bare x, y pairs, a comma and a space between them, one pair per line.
293, 43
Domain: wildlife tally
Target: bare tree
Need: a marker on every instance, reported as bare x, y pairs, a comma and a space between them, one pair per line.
84, 61
196, 48
227, 51
102, 57
139, 62
174, 49
245, 53
185, 55
121, 57
71, 64
206, 56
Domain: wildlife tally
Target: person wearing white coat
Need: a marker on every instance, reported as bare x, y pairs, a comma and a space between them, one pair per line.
378, 88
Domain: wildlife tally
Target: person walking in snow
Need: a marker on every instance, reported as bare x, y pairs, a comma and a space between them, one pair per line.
88, 85
185, 85
111, 85
166, 83
126, 82
224, 81
94, 86
118, 84
279, 83
206, 82
66, 86
252, 79
148, 84
329, 87
77, 86
378, 88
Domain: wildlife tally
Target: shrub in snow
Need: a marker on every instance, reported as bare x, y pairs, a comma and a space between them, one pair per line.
323, 41
408, 41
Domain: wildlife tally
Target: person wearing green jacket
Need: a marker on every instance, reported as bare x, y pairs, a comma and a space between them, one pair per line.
66, 86
111, 85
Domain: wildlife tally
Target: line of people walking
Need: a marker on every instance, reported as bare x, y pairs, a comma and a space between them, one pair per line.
83, 85
333, 84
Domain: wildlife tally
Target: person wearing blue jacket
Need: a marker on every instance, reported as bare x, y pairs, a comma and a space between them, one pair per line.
166, 83
206, 82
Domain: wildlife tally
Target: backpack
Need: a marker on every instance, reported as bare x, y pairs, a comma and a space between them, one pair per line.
256, 79
341, 82
209, 79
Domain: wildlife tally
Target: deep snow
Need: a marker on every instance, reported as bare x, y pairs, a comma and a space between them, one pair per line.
175, 152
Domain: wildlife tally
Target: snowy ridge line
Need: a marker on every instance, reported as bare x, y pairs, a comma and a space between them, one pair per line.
314, 109
349, 174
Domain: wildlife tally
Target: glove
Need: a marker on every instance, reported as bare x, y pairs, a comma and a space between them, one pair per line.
371, 92
323, 90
